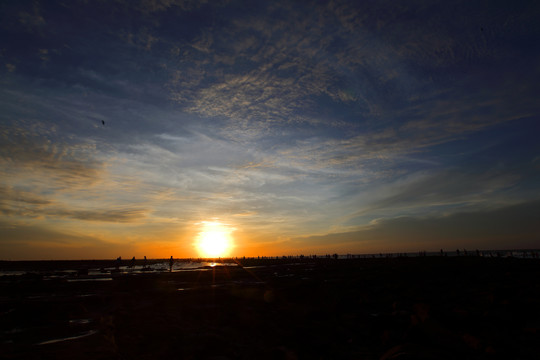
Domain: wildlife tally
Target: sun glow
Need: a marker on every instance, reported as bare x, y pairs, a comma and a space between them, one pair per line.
214, 240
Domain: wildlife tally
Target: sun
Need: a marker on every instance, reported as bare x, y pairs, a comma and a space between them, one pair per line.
214, 240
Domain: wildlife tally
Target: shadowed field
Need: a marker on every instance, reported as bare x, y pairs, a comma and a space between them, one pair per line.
401, 308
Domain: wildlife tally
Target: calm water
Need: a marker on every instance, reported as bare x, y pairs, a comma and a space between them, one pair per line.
104, 272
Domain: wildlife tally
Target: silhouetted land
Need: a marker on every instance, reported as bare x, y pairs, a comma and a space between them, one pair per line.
400, 308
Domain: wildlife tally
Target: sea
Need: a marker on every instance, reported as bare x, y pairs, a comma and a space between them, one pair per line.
102, 270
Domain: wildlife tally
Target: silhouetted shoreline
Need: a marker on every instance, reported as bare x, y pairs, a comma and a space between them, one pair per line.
368, 308
49, 265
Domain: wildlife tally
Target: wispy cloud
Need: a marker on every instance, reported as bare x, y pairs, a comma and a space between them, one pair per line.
276, 71
282, 75
24, 152
30, 241
440, 191
514, 226
124, 215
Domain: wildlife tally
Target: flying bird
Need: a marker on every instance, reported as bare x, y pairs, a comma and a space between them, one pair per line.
103, 122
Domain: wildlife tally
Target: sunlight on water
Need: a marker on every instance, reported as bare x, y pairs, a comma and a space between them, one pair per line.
88, 333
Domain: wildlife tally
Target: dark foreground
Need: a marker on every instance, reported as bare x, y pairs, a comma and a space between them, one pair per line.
411, 308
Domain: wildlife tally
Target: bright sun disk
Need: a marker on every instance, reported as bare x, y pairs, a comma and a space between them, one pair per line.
214, 240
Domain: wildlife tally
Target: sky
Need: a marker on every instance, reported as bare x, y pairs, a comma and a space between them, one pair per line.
127, 128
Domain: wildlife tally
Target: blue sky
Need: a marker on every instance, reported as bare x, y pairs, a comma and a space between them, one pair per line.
301, 127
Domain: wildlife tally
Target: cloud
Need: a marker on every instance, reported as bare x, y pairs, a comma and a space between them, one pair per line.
12, 194
151, 6
265, 75
29, 153
444, 187
339, 65
124, 215
16, 202
246, 214
32, 19
46, 176
42, 242
27, 204
516, 226
127, 215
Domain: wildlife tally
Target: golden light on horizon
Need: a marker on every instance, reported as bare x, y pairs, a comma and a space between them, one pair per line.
214, 240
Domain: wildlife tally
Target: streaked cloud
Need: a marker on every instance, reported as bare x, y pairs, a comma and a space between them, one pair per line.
70, 165
509, 227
